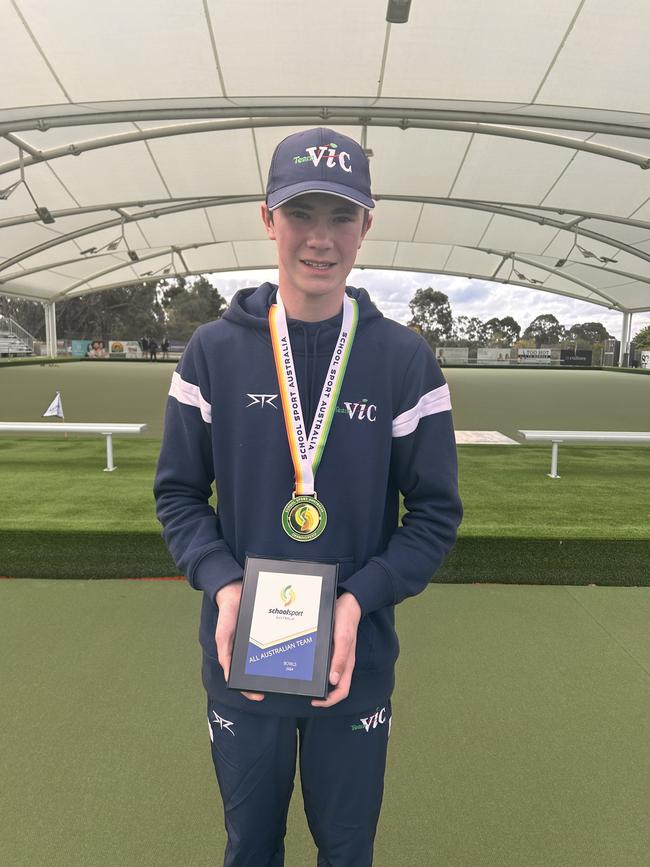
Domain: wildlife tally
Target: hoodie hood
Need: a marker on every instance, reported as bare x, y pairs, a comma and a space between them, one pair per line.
250, 308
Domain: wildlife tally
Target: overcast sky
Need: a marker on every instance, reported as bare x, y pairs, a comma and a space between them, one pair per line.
392, 290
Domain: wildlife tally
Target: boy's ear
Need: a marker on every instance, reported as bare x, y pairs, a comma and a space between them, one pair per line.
267, 219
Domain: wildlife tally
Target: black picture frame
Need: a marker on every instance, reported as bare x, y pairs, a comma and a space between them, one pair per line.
317, 686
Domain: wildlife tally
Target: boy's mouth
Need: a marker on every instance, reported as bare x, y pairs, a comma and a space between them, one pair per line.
319, 266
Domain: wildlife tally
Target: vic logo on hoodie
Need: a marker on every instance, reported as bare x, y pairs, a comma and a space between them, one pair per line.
359, 411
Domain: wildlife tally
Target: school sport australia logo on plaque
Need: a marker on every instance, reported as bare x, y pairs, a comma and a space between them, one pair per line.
288, 595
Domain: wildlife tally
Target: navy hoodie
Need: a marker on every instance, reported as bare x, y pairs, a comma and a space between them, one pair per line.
392, 431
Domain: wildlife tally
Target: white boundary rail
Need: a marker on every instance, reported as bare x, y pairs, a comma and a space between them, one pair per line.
581, 436
106, 430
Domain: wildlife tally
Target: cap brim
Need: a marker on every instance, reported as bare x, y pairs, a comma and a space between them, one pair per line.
284, 195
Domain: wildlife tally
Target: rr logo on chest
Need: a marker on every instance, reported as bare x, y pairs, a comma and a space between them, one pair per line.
262, 400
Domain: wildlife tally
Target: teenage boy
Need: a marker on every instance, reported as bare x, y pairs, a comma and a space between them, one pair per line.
390, 431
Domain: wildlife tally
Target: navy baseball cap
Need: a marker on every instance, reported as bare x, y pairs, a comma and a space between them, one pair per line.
319, 161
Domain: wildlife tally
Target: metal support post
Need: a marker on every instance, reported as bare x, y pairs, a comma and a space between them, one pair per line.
624, 339
54, 352
49, 309
628, 342
554, 450
46, 315
110, 466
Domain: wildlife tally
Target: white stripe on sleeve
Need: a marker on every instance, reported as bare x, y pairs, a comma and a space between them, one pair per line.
189, 394
434, 401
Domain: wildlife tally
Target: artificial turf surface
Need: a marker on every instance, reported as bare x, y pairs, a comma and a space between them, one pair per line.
519, 739
64, 517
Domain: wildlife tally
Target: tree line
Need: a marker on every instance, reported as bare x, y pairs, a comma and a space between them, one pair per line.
431, 316
157, 309
174, 308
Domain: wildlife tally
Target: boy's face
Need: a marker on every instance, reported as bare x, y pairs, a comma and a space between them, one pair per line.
317, 236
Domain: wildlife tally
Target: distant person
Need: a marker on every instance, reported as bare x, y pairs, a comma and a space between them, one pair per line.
153, 349
165, 349
144, 343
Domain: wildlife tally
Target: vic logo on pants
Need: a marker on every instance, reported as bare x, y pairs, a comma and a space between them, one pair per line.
378, 718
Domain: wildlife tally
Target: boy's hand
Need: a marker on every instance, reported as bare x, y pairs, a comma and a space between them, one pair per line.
227, 600
347, 615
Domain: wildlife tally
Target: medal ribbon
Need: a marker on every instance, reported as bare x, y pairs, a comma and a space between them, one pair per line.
307, 449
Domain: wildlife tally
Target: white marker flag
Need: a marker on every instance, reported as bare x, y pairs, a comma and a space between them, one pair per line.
55, 408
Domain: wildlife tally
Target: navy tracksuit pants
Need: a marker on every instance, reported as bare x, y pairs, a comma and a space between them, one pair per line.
342, 763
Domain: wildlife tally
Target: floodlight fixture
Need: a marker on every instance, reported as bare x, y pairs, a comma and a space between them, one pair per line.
519, 274
115, 243
589, 255
398, 11
44, 214
164, 269
89, 251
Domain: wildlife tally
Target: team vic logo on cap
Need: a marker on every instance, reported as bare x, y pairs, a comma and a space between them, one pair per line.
316, 154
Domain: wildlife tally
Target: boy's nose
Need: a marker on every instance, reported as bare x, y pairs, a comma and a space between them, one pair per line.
319, 235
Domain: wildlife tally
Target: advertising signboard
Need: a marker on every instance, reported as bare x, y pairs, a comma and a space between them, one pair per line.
124, 349
452, 354
576, 358
537, 356
88, 349
493, 356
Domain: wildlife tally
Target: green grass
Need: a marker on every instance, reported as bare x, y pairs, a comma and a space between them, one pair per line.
63, 517
72, 520
603, 492
58, 484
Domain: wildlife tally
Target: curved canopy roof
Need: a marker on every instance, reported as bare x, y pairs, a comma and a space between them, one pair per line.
509, 140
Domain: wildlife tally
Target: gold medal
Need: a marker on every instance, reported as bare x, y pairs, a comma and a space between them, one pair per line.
304, 518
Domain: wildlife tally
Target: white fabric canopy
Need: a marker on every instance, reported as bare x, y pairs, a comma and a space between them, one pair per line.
509, 139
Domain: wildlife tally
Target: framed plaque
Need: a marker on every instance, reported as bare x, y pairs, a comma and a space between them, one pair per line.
283, 639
